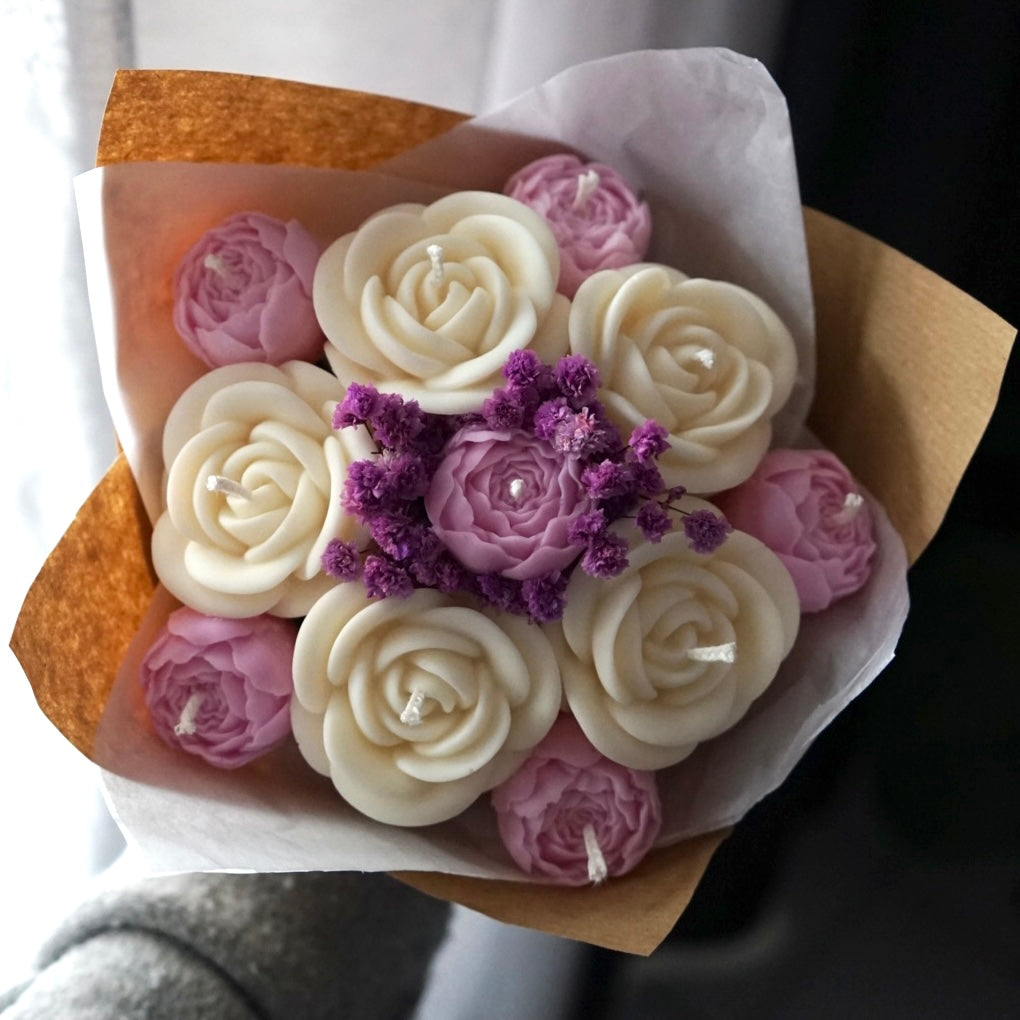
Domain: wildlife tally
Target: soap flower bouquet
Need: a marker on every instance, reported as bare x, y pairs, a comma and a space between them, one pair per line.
475, 522
639, 683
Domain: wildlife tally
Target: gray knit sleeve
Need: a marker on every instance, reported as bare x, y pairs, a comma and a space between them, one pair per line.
250, 947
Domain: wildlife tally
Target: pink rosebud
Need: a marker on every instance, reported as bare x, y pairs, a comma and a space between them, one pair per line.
243, 292
221, 688
804, 505
571, 814
595, 217
502, 501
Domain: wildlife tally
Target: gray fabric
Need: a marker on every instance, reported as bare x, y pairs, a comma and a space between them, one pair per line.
251, 947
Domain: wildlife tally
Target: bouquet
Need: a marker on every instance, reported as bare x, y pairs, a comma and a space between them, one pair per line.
272, 816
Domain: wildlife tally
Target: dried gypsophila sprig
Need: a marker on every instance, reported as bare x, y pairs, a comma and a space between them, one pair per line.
544, 408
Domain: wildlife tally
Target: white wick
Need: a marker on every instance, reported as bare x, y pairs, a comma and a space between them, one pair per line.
217, 483
215, 263
516, 489
411, 716
852, 503
714, 653
587, 185
706, 356
435, 254
186, 724
597, 870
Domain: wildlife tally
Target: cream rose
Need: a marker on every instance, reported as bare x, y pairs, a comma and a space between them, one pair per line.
415, 706
708, 360
645, 655
255, 474
428, 301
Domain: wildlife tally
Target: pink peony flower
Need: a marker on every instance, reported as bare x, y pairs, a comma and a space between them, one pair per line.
221, 688
804, 505
573, 815
243, 292
502, 502
596, 218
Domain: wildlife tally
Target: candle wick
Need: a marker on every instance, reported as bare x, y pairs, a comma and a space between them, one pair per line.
435, 254
597, 870
706, 356
714, 653
411, 716
587, 185
215, 263
852, 503
186, 724
217, 483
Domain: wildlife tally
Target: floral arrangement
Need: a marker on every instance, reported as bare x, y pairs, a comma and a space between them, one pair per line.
472, 555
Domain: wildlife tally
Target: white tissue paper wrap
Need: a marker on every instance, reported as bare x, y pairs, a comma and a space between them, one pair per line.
704, 135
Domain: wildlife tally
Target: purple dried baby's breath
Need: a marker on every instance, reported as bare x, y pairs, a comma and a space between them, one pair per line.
502, 593
646, 479
649, 440
606, 556
586, 526
504, 409
577, 378
396, 423
654, 521
705, 530
545, 596
363, 488
357, 407
341, 560
386, 579
607, 479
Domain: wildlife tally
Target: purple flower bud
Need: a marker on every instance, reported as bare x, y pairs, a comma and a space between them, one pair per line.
648, 441
606, 556
398, 536
545, 596
675, 493
705, 530
578, 378
653, 521
341, 560
386, 579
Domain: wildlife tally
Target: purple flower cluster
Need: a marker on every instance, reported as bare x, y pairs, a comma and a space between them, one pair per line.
558, 405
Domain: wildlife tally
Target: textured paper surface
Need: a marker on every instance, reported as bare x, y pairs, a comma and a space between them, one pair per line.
663, 885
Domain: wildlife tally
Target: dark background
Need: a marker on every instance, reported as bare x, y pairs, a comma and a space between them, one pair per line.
882, 879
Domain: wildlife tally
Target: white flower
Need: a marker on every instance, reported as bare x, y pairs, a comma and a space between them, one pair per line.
428, 301
415, 706
255, 474
673, 650
708, 360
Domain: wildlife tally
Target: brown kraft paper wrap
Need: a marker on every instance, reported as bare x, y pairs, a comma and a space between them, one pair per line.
890, 401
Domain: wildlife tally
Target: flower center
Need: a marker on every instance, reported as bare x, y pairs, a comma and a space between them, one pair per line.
852, 503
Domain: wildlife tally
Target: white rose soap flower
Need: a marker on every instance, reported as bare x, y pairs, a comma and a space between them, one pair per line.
674, 649
430, 301
709, 361
254, 476
415, 706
